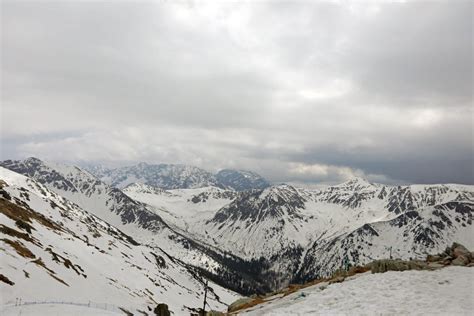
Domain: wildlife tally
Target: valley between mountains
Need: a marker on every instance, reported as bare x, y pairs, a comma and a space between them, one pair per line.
138, 236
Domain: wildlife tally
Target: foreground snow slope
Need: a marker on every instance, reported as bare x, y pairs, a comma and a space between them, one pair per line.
448, 291
53, 250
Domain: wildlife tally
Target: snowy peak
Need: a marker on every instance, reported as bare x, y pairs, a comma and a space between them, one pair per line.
356, 183
411, 197
258, 205
355, 192
349, 194
281, 194
37, 169
241, 180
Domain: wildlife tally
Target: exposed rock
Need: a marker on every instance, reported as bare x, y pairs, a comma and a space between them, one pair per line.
446, 262
460, 250
435, 265
448, 252
433, 258
460, 261
162, 310
457, 254
380, 266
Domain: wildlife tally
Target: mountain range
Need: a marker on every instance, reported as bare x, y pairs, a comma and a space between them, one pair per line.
233, 228
176, 176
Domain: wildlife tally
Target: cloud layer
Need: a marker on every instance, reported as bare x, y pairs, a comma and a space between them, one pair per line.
298, 91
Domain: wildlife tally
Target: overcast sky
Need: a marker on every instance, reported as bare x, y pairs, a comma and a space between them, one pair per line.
298, 91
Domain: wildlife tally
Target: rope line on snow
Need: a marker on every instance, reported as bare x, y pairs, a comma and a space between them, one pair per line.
90, 304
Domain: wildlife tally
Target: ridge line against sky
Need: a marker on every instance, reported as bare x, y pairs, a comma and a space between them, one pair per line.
296, 91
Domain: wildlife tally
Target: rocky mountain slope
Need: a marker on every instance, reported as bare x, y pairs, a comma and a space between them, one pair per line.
52, 250
241, 180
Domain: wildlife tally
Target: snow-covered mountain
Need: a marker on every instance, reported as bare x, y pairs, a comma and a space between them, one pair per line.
241, 180
53, 250
301, 234
262, 239
166, 176
176, 176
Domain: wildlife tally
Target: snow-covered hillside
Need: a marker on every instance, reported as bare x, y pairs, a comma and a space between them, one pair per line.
447, 291
181, 208
53, 250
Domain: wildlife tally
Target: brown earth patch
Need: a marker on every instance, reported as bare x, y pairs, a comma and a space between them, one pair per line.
18, 234
15, 212
66, 262
6, 280
51, 273
19, 248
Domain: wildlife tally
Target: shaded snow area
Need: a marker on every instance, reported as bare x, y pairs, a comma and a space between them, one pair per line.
449, 291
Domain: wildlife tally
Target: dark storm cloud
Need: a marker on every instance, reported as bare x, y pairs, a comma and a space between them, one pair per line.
299, 91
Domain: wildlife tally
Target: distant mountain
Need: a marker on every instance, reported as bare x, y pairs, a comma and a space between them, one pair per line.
166, 176
240, 180
176, 176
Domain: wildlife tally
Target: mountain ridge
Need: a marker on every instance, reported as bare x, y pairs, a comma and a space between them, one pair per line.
278, 234
178, 176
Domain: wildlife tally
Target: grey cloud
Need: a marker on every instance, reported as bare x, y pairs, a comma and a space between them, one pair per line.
297, 91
